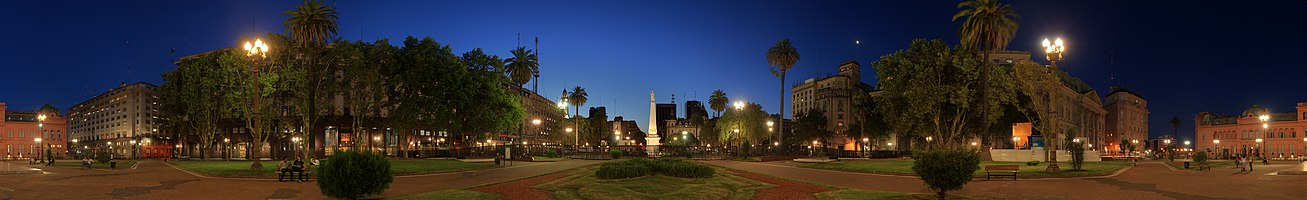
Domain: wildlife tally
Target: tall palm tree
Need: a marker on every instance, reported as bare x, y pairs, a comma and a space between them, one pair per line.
782, 57
1175, 125
522, 66
578, 97
718, 101
989, 26
312, 22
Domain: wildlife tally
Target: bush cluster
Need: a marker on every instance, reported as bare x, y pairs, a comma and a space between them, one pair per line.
354, 174
616, 153
640, 167
945, 170
1201, 157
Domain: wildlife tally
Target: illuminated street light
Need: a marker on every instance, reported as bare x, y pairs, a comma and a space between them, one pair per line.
770, 123
535, 122
568, 129
739, 105
929, 138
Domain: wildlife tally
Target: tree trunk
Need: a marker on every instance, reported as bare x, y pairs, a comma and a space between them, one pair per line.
780, 124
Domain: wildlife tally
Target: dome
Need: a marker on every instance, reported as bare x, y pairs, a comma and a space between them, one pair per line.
1255, 111
48, 110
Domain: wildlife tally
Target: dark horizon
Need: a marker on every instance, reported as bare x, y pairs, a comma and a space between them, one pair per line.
1183, 58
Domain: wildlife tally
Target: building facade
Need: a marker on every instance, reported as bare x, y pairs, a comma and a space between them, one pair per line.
1280, 135
1127, 118
1078, 107
834, 96
120, 121
28, 134
542, 121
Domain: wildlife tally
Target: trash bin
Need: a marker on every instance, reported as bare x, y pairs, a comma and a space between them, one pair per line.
113, 165
1186, 165
496, 160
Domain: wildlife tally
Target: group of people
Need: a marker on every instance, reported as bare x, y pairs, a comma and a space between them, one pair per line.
295, 168
1242, 160
49, 162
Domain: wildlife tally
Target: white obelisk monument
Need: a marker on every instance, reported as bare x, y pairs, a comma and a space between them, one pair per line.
651, 140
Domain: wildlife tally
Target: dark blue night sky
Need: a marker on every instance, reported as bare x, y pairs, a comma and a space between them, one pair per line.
1183, 56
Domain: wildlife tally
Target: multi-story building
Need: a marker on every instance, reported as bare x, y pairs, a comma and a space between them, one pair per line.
665, 114
1078, 106
120, 121
834, 96
27, 134
695, 108
542, 121
625, 132
1255, 132
1127, 118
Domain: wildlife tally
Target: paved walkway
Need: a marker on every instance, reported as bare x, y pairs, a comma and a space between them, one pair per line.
1149, 180
156, 180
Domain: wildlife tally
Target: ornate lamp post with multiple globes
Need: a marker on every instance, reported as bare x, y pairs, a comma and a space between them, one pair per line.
1053, 51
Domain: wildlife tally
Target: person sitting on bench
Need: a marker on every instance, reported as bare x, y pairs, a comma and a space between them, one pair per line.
283, 168
298, 168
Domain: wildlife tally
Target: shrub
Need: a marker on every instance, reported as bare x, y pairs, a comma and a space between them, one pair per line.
354, 174
102, 157
1076, 149
945, 170
687, 170
616, 153
640, 167
1200, 157
621, 170
552, 153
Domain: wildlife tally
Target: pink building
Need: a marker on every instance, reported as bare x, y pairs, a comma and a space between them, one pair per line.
1257, 131
20, 131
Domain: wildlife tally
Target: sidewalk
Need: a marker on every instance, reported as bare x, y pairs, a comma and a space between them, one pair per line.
8, 168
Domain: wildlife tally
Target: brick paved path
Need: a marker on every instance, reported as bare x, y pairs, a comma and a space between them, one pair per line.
1149, 180
156, 180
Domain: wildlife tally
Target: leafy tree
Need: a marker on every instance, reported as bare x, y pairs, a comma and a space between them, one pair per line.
782, 57
811, 126
1041, 85
872, 124
470, 103
192, 100
258, 117
1200, 157
718, 101
599, 128
740, 125
931, 90
522, 66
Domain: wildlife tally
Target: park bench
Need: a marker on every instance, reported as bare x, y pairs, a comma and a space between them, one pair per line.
303, 176
1001, 170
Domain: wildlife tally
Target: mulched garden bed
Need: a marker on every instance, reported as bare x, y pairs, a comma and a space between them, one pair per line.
785, 189
521, 189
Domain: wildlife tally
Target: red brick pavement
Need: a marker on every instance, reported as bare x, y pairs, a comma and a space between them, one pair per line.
785, 189
521, 189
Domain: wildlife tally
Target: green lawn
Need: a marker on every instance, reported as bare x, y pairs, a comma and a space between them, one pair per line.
122, 164
1194, 166
904, 167
850, 194
400, 167
584, 185
449, 195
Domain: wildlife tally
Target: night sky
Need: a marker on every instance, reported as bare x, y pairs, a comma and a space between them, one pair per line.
1184, 57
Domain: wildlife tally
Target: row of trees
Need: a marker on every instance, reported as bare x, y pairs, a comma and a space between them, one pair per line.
309, 74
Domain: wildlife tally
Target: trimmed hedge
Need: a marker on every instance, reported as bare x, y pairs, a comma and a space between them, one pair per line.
641, 167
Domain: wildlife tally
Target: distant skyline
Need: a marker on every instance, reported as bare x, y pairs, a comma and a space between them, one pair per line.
1183, 57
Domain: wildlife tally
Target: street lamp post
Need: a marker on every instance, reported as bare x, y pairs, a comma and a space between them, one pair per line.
226, 148
40, 124
257, 51
1053, 51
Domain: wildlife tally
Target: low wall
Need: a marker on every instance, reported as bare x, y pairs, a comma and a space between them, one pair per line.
1009, 155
